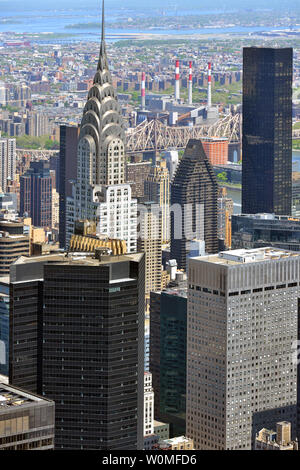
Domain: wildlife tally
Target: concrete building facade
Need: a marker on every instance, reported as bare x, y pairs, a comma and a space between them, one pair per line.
242, 325
148, 405
149, 242
13, 244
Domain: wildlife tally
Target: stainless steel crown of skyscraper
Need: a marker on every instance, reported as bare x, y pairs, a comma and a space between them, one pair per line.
102, 126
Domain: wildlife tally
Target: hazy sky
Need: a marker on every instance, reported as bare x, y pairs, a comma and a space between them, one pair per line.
145, 4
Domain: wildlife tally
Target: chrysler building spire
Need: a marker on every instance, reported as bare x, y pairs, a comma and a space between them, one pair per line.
103, 47
103, 24
101, 145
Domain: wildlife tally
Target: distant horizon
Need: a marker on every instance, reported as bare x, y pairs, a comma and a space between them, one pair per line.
76, 20
143, 5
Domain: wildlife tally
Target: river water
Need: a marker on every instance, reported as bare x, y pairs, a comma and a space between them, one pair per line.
56, 20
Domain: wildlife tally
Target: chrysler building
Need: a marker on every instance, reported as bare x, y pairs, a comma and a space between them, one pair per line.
100, 193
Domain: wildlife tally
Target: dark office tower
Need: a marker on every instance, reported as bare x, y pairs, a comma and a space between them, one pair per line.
93, 345
136, 175
195, 190
25, 321
36, 194
267, 131
298, 377
168, 329
154, 347
67, 173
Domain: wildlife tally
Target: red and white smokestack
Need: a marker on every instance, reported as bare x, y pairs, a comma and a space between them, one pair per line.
209, 87
143, 91
177, 82
190, 100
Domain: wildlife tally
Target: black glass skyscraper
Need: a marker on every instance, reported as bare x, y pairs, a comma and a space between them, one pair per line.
67, 173
194, 190
77, 337
267, 131
93, 351
168, 330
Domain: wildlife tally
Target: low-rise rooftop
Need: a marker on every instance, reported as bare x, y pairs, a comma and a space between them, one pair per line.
79, 258
177, 440
12, 397
243, 256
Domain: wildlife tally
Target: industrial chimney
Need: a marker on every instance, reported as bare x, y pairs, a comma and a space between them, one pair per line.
209, 87
190, 99
177, 82
143, 91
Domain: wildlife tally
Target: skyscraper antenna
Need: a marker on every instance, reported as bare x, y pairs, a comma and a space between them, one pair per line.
103, 27
102, 58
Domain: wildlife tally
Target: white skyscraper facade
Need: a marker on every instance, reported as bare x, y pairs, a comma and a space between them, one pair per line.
118, 214
148, 405
8, 155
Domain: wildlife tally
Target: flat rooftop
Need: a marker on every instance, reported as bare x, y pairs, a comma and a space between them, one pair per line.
7, 235
214, 139
84, 259
177, 440
38, 259
87, 259
268, 217
160, 423
256, 255
12, 397
176, 291
5, 280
